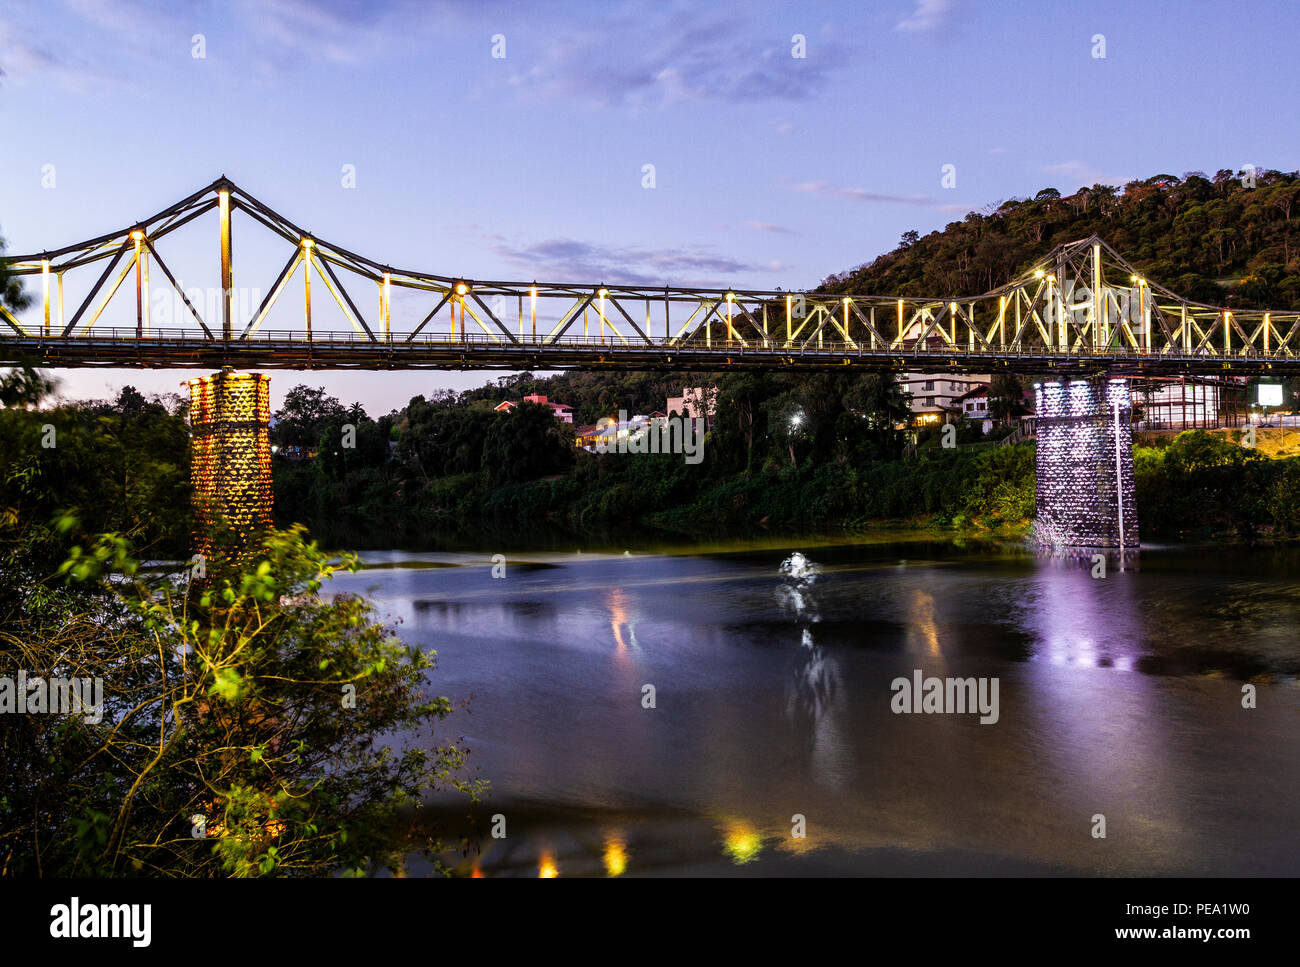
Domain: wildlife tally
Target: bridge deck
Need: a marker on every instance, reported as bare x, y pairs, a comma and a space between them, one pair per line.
271, 349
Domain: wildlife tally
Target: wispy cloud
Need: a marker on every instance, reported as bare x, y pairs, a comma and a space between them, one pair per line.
24, 58
769, 227
119, 41
340, 32
827, 190
1083, 173
567, 260
928, 15
674, 58
122, 16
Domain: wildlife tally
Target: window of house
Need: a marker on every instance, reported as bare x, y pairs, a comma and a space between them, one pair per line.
929, 401
929, 384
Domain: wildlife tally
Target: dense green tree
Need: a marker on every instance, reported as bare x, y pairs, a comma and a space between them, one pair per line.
11, 288
526, 443
121, 466
305, 414
221, 701
238, 729
1006, 390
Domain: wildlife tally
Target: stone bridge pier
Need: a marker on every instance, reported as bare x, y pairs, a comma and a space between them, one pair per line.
1086, 495
230, 460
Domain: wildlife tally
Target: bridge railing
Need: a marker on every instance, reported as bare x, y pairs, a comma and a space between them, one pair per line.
919, 349
1026, 429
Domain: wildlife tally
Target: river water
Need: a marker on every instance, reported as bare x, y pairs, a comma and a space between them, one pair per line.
773, 664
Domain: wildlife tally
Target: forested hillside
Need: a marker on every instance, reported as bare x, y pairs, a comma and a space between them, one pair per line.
1211, 239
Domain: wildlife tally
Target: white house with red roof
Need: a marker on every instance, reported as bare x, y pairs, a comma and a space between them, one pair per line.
561, 411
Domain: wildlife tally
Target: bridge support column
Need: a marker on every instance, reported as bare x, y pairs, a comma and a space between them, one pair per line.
1085, 477
230, 459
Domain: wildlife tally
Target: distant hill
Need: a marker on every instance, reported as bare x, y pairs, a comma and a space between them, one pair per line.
1209, 239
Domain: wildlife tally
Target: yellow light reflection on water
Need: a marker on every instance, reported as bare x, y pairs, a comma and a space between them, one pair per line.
615, 856
742, 843
546, 868
922, 620
618, 616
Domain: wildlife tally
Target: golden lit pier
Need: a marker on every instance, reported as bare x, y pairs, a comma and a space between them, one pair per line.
230, 457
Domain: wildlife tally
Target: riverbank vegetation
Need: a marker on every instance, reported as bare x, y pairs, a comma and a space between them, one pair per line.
783, 453
1201, 485
224, 719
813, 451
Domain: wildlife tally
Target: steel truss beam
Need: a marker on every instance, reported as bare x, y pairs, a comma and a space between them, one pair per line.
1080, 306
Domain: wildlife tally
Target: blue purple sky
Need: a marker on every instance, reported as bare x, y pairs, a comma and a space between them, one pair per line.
770, 170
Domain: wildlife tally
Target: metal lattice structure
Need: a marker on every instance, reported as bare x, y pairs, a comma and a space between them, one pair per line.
230, 457
1081, 310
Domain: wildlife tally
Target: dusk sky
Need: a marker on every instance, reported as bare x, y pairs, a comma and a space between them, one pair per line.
769, 169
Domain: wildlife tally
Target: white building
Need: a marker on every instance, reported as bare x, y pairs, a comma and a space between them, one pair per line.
692, 403
561, 411
974, 406
935, 395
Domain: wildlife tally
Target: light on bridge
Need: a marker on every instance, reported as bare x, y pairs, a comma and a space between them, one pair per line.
462, 288
308, 243
137, 236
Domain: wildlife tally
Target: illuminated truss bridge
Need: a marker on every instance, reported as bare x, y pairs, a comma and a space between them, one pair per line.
1081, 310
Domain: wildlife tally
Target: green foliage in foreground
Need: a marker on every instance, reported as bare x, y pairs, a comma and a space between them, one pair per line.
243, 721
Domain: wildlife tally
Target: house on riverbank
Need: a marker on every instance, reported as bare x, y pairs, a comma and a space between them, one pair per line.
561, 411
